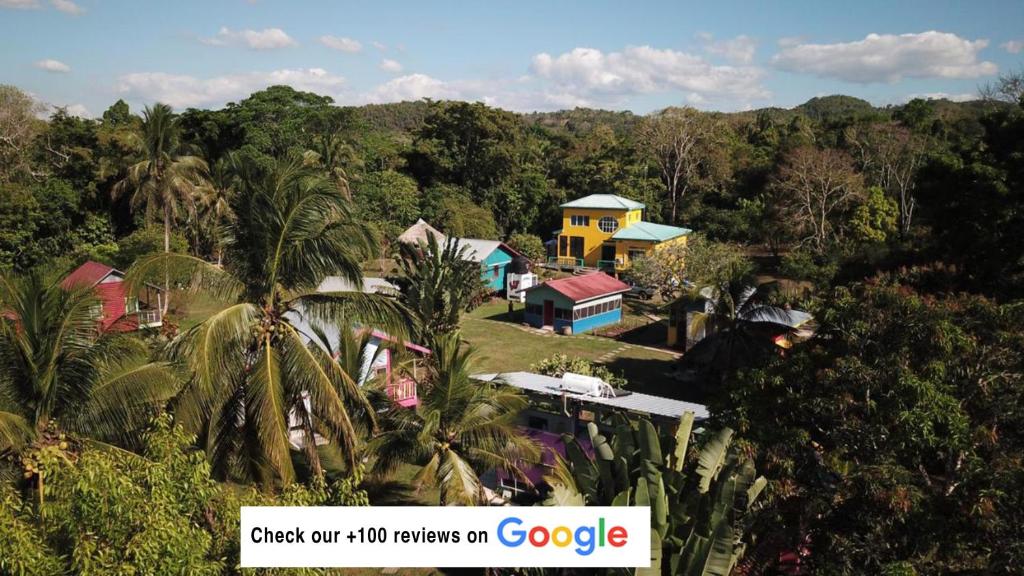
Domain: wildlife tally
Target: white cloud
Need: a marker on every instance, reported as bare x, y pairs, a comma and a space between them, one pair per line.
341, 43
20, 4
588, 73
76, 110
51, 65
508, 94
266, 39
1013, 46
740, 49
67, 7
389, 65
413, 87
182, 91
379, 46
889, 58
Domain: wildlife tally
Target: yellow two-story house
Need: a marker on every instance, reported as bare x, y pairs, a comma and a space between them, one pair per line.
608, 231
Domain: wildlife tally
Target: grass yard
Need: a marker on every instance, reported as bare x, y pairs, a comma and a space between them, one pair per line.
504, 346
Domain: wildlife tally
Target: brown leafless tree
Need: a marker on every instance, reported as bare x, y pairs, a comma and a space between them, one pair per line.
681, 141
890, 155
815, 187
19, 126
1009, 87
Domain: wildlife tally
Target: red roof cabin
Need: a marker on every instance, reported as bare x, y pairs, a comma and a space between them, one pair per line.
118, 310
579, 303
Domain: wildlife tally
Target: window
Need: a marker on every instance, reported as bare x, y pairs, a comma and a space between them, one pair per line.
635, 254
495, 271
535, 309
583, 221
608, 224
563, 314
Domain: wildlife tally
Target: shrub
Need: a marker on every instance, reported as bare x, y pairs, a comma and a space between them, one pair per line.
559, 364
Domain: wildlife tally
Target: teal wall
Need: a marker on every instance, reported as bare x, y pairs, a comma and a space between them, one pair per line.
500, 258
539, 295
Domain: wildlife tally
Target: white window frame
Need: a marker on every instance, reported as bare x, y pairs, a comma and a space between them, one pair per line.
605, 220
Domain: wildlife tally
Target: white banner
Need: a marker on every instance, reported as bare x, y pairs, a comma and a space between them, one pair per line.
450, 537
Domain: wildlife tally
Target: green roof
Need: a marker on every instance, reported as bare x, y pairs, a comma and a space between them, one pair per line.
650, 232
604, 202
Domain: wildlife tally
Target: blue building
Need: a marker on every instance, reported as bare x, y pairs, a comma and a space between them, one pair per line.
494, 258
581, 302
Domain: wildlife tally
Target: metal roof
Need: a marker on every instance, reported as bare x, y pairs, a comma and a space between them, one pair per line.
604, 202
478, 249
420, 232
633, 401
89, 274
370, 285
585, 287
650, 232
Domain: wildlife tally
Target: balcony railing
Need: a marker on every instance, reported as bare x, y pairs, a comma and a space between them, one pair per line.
566, 261
609, 264
402, 389
150, 318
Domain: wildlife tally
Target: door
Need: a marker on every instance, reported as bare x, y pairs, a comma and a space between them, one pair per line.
608, 255
576, 246
549, 312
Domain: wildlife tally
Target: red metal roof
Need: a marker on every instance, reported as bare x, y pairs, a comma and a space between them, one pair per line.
586, 286
87, 275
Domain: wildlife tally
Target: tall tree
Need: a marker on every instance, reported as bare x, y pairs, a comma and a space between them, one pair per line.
892, 438
337, 157
891, 156
18, 128
213, 205
680, 141
462, 428
166, 179
54, 366
816, 186
252, 367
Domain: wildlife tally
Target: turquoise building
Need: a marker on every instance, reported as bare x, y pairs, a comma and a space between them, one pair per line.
581, 303
494, 258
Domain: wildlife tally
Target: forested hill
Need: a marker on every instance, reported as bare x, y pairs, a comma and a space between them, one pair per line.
921, 181
409, 116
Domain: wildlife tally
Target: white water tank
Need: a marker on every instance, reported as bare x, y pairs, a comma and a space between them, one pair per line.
589, 385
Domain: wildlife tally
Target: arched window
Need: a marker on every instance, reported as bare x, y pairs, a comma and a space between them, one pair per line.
608, 224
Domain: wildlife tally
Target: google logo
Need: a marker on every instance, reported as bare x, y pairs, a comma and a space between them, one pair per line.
586, 538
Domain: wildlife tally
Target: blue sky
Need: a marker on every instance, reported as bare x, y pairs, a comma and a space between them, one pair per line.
524, 55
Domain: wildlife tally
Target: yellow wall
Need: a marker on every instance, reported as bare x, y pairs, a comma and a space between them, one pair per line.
592, 236
622, 248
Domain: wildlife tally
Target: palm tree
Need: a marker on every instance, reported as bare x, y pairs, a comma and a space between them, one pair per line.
166, 179
437, 284
213, 203
737, 325
253, 366
331, 153
55, 366
460, 429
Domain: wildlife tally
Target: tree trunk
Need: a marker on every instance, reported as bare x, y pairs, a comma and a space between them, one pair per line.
167, 250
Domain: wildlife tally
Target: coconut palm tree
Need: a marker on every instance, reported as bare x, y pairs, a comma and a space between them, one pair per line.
461, 429
736, 326
253, 366
55, 366
331, 153
166, 179
213, 203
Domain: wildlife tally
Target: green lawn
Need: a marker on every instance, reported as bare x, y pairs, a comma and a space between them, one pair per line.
504, 346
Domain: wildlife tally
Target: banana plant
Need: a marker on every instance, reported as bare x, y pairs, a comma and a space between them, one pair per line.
699, 504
